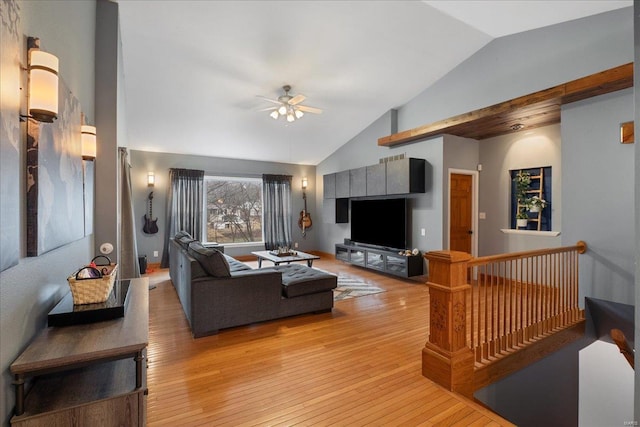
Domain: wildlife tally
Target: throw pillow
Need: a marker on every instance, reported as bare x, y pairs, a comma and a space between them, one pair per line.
184, 241
212, 260
182, 233
183, 238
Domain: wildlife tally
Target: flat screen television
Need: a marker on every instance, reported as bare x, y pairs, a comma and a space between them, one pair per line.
379, 222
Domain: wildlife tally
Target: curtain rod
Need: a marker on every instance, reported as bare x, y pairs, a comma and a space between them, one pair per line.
233, 175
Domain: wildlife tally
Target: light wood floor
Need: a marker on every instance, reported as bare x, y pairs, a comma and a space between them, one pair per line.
358, 365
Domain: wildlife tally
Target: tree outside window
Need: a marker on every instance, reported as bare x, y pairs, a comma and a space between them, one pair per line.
233, 210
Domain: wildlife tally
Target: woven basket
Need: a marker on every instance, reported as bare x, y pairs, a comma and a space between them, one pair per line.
93, 290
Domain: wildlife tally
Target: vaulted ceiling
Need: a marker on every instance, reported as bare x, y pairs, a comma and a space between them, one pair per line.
193, 69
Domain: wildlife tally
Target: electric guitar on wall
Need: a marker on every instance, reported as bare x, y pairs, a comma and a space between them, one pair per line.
150, 224
304, 221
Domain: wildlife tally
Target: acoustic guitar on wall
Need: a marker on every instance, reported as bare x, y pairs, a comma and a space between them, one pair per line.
304, 221
150, 224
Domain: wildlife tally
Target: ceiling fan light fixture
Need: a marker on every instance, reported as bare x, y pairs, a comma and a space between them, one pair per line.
289, 107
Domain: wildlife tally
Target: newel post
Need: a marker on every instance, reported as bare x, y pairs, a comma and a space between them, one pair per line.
446, 357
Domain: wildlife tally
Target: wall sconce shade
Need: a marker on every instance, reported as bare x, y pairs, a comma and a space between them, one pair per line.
88, 142
43, 86
151, 179
304, 183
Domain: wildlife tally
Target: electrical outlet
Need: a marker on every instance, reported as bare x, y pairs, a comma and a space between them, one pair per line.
423, 232
482, 215
295, 245
155, 254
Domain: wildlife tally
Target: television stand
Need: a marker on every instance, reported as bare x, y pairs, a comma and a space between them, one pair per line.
385, 261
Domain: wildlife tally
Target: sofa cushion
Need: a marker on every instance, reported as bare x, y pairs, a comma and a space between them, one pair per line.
212, 260
235, 265
300, 280
184, 240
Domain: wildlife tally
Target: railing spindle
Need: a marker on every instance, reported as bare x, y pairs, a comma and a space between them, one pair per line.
519, 297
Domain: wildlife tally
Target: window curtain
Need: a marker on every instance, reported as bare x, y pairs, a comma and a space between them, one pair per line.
128, 265
276, 194
184, 206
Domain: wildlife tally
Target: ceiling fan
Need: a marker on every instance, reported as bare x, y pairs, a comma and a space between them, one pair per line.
289, 106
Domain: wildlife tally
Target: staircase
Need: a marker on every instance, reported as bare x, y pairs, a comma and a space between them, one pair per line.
492, 316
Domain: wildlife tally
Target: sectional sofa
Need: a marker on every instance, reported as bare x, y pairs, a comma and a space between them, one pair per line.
217, 291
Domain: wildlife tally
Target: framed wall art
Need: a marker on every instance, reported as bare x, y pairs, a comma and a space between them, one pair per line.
89, 188
55, 192
10, 48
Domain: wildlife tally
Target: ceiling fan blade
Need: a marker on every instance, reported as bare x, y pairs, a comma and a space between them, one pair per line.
275, 101
307, 109
269, 109
297, 99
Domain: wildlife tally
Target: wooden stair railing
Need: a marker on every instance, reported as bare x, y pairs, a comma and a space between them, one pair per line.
621, 341
485, 309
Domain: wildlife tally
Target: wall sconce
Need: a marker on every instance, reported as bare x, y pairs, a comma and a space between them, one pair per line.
151, 179
626, 133
88, 142
43, 83
304, 183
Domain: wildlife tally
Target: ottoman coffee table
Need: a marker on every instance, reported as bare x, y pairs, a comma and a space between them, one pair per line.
277, 260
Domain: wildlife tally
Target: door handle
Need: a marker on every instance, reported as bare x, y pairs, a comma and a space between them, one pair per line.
470, 231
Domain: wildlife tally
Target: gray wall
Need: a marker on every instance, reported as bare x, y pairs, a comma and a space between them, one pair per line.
462, 154
520, 150
516, 65
598, 194
107, 91
160, 163
363, 151
29, 290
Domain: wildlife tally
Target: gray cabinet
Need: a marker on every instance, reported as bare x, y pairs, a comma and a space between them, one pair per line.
381, 260
342, 184
406, 176
358, 182
329, 185
377, 180
335, 211
396, 177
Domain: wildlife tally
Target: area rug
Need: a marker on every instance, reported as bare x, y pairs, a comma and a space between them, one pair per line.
349, 287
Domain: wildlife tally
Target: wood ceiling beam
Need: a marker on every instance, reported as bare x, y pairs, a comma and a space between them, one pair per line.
533, 110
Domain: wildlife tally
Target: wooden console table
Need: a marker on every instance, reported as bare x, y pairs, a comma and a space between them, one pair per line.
83, 374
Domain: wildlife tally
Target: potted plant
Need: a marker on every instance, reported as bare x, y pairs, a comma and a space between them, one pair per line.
536, 204
523, 182
521, 218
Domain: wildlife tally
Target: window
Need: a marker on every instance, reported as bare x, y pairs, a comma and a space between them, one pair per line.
233, 210
531, 187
